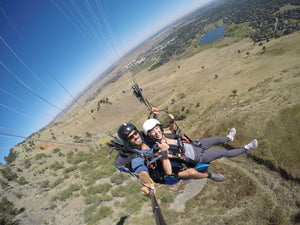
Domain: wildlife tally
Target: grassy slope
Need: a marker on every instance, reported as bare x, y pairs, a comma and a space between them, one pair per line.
266, 107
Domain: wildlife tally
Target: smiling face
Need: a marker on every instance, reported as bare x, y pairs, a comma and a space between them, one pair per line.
134, 138
156, 133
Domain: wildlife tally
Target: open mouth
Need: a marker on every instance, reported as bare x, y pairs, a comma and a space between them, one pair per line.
158, 136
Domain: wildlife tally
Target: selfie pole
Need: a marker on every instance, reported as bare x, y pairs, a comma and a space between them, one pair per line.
156, 210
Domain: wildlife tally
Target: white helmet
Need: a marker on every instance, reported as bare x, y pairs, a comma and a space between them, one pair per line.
149, 125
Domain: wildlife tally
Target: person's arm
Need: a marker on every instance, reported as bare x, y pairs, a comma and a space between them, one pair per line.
165, 160
155, 112
147, 183
172, 123
139, 167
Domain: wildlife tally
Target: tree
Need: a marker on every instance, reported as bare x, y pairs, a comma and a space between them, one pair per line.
234, 93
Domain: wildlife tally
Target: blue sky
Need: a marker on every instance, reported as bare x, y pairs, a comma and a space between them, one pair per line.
46, 45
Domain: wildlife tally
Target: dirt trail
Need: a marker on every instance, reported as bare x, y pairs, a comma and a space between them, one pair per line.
191, 189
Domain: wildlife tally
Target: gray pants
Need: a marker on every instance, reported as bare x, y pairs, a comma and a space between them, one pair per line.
212, 154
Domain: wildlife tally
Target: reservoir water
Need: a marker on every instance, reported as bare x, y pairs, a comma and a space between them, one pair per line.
212, 35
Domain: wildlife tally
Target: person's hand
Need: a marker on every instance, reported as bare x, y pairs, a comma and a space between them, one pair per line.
155, 112
163, 146
146, 190
171, 118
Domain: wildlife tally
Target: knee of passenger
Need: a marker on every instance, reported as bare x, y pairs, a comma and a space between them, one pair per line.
168, 173
192, 172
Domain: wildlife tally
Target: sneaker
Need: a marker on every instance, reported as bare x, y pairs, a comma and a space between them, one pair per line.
251, 146
217, 177
231, 134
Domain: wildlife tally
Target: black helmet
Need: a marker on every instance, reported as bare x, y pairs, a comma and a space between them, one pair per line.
124, 130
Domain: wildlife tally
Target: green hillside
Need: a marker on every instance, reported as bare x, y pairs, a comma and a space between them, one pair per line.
233, 82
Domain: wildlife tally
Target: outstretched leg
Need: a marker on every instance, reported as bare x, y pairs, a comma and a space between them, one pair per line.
206, 143
213, 154
210, 155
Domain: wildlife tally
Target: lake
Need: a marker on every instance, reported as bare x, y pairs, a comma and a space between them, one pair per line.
212, 35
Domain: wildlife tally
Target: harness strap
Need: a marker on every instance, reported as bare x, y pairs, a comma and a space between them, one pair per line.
156, 156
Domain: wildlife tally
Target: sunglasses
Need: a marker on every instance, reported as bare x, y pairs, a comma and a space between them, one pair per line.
131, 136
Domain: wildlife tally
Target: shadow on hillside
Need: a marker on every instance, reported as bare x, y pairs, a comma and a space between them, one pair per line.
122, 220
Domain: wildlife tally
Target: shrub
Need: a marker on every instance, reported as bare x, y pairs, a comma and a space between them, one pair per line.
103, 172
40, 155
165, 195
181, 95
88, 212
8, 174
67, 193
56, 166
45, 183
181, 117
55, 150
61, 154
92, 216
7, 210
42, 171
57, 182
133, 206
79, 157
97, 199
76, 138
118, 178
70, 169
27, 163
3, 184
100, 188
90, 199
22, 181
11, 156
234, 93
70, 156
134, 199
119, 191
106, 198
